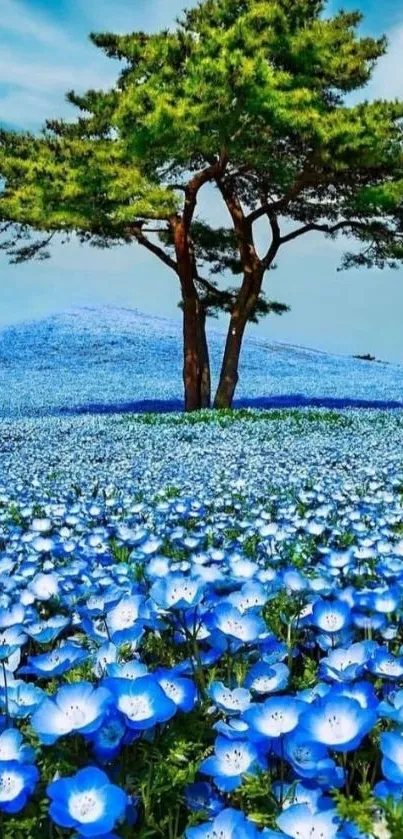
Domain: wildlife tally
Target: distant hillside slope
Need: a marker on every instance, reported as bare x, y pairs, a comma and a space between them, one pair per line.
106, 358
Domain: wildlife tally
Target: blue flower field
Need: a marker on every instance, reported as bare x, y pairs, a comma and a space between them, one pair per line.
201, 617
103, 359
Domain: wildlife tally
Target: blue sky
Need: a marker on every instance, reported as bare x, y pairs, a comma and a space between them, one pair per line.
44, 51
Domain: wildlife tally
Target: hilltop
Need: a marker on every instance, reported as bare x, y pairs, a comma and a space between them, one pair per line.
104, 358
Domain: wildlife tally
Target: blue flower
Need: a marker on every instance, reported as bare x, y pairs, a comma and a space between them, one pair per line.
307, 793
12, 616
345, 665
44, 586
331, 616
17, 783
337, 722
299, 822
307, 757
108, 739
234, 729
126, 620
12, 747
265, 678
201, 798
229, 824
177, 592
230, 628
392, 707
142, 701
385, 600
44, 632
77, 707
274, 717
392, 750
385, 665
11, 639
362, 692
231, 760
23, 699
231, 701
127, 670
87, 802
56, 662
387, 789
180, 690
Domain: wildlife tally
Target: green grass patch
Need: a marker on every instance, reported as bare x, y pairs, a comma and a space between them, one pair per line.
227, 417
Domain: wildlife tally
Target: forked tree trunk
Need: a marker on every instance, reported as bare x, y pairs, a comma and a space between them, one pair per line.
240, 315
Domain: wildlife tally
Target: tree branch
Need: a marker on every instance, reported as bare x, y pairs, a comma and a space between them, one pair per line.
194, 185
307, 177
137, 232
323, 228
275, 241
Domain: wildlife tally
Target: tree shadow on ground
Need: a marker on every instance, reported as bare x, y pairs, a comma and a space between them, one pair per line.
292, 400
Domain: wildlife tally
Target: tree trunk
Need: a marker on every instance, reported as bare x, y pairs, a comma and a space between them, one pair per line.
229, 368
205, 380
196, 366
240, 315
192, 362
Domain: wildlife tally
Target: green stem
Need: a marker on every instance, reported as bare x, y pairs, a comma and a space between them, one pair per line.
6, 693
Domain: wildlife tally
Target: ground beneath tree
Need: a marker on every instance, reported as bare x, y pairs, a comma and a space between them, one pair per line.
110, 359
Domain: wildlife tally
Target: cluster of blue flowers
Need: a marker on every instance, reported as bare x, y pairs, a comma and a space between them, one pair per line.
257, 600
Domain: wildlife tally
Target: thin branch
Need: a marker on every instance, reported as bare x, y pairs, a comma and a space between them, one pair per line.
323, 228
152, 229
307, 177
275, 242
216, 292
137, 232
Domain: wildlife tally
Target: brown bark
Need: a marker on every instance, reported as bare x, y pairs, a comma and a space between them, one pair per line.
196, 367
192, 363
196, 363
240, 315
253, 272
205, 377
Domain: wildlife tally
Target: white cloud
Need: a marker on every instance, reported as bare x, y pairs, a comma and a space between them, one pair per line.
387, 80
47, 76
40, 62
17, 18
23, 106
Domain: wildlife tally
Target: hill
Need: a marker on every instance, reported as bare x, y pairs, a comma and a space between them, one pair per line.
110, 358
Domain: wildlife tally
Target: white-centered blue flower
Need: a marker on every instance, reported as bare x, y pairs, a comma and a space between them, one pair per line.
17, 783
265, 678
274, 717
12, 747
231, 760
338, 722
78, 707
231, 701
299, 822
87, 802
331, 616
142, 701
177, 591
228, 824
